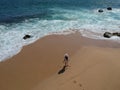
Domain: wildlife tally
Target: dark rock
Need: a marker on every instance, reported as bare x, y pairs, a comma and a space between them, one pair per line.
116, 34
100, 10
27, 36
107, 34
109, 8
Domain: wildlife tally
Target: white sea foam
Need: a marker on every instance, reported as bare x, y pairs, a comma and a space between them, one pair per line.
90, 23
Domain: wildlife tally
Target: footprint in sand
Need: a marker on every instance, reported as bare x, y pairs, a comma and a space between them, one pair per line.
80, 85
75, 82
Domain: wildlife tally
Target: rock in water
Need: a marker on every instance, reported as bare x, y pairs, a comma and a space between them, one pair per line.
100, 10
27, 36
107, 34
116, 34
109, 8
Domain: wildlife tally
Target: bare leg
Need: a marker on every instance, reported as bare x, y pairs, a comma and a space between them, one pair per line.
66, 63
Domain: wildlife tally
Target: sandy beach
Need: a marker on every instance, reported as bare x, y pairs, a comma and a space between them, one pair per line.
94, 65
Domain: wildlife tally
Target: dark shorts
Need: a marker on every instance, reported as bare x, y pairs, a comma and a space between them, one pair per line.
66, 58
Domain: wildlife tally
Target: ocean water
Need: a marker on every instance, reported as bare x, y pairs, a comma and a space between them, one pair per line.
42, 17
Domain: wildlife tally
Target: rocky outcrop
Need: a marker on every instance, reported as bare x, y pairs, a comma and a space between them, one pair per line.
109, 35
109, 8
27, 36
100, 10
116, 34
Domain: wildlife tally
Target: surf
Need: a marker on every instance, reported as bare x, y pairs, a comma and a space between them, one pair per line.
41, 18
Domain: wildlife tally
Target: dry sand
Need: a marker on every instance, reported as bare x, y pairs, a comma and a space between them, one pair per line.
94, 65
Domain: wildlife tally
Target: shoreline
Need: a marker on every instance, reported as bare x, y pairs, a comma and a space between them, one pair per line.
41, 60
64, 33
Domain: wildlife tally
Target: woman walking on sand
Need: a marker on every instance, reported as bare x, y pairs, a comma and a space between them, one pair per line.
66, 59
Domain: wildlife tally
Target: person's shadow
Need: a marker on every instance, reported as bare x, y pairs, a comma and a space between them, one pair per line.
62, 70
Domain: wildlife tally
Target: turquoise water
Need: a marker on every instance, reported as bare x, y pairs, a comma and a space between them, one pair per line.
39, 18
